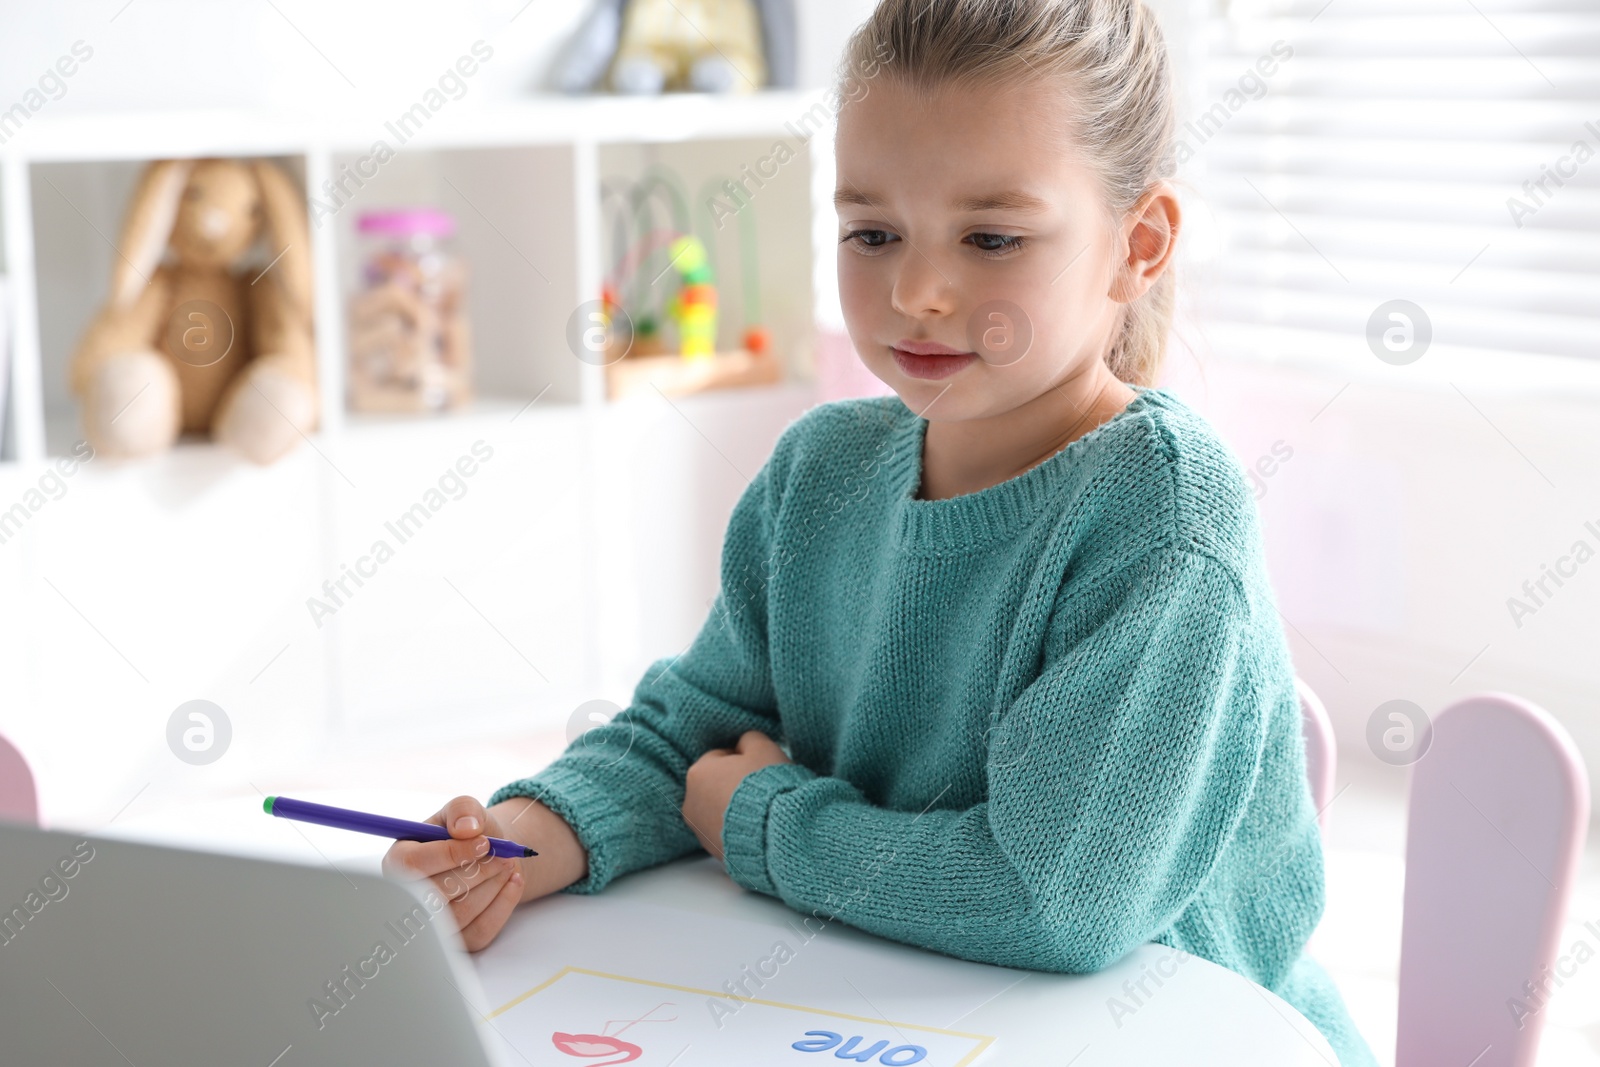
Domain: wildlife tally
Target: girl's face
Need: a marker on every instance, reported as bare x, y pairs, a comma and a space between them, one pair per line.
967, 228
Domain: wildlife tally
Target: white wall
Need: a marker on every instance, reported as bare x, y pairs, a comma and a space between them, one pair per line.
586, 546
291, 55
338, 55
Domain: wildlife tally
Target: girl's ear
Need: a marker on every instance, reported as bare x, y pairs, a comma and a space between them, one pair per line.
286, 234
148, 227
1152, 235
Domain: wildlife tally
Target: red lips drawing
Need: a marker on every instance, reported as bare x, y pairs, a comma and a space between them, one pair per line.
589, 1046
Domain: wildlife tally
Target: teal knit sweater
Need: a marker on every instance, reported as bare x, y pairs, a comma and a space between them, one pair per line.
1035, 725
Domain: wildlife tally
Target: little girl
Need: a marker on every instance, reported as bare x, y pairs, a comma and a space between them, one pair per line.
1011, 625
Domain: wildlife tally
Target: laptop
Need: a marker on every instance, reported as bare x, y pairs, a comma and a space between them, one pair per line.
115, 953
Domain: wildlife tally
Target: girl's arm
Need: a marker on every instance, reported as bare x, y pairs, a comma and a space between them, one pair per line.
1125, 771
620, 786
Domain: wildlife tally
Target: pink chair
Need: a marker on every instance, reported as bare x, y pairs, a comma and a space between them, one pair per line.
1321, 753
19, 800
1499, 807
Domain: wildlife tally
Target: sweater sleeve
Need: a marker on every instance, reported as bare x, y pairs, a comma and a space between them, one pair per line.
620, 786
1114, 782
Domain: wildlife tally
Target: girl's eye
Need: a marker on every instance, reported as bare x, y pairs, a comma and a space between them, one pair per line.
995, 244
867, 239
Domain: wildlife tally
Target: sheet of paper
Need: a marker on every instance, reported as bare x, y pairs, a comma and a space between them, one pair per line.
581, 1016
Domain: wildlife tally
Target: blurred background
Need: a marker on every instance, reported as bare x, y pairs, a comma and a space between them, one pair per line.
1390, 289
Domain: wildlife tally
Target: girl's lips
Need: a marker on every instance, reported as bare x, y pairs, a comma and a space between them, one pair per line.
931, 366
927, 348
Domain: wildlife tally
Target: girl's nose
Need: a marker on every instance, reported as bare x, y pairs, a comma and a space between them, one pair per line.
922, 287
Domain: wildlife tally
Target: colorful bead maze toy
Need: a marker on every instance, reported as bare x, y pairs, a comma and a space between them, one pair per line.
636, 306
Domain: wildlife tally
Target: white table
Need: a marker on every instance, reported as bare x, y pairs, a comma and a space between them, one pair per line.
687, 925
674, 934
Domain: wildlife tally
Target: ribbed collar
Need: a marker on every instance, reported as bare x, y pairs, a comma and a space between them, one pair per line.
996, 511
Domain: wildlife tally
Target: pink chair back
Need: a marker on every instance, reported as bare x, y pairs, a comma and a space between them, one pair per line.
1322, 755
19, 800
1499, 807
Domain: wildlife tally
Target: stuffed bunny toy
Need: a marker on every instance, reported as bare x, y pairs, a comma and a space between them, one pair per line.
189, 341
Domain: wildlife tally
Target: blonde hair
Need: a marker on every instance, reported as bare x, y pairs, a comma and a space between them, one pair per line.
1112, 58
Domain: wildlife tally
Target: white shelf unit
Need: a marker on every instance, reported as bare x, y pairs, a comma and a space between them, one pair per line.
522, 180
585, 548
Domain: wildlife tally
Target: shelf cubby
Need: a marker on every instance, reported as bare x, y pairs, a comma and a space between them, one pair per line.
523, 181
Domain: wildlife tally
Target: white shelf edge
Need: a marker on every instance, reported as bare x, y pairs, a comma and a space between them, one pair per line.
140, 135
495, 410
587, 257
26, 394
327, 301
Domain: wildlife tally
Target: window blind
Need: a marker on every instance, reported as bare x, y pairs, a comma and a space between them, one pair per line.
1358, 152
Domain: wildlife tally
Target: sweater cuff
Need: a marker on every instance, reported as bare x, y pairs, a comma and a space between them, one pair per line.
599, 822
744, 824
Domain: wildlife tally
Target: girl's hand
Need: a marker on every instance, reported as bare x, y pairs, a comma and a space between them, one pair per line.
712, 779
482, 889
